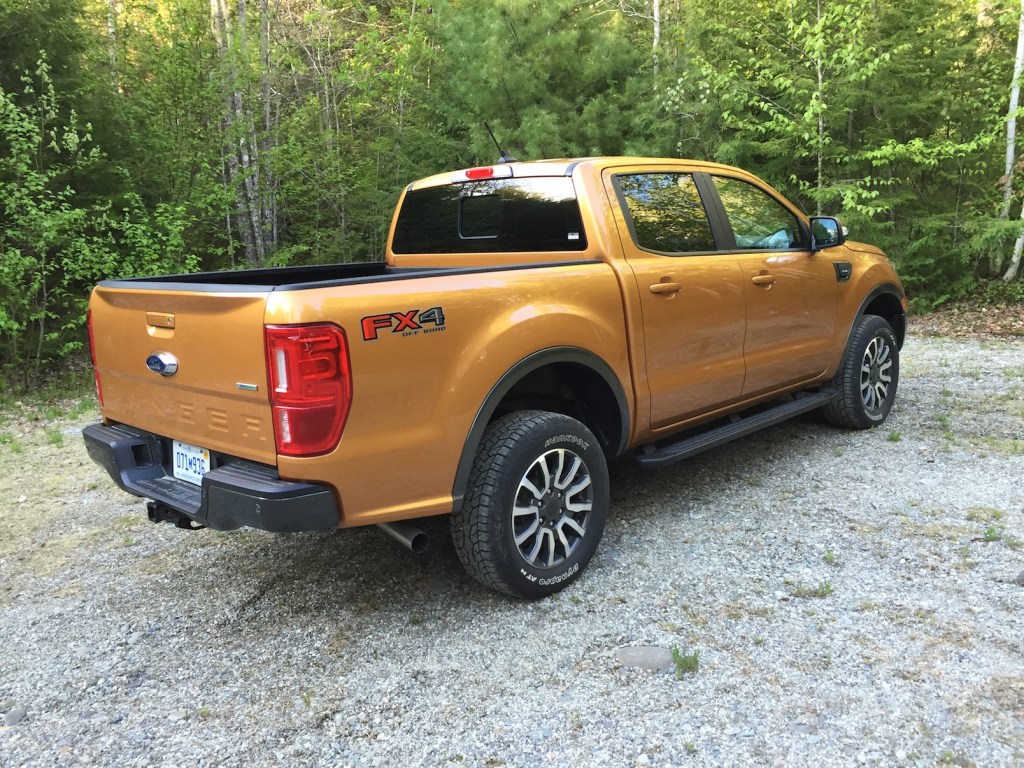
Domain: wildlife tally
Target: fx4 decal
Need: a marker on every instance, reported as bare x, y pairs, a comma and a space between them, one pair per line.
406, 323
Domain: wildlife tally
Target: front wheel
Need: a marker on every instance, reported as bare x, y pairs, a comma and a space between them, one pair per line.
536, 504
868, 376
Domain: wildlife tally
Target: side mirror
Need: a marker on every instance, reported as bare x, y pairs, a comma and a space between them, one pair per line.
826, 231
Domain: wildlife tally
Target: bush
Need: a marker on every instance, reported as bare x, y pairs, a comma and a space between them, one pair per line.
55, 244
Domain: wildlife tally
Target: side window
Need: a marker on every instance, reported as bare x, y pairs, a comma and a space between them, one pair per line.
666, 212
758, 220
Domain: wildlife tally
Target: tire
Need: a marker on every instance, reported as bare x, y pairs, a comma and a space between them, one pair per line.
868, 376
536, 504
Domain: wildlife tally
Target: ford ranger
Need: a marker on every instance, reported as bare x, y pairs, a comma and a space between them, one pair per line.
530, 322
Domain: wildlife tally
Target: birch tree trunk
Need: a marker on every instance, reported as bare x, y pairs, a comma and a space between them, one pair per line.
1011, 149
112, 9
656, 13
268, 191
819, 96
248, 123
1018, 248
1008, 189
1011, 121
221, 28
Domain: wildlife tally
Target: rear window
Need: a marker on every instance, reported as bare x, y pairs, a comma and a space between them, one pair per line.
496, 215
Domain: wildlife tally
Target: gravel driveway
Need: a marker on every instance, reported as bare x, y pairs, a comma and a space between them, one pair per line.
855, 598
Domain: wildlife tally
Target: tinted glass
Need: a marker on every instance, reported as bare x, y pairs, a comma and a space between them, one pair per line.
666, 212
759, 221
512, 215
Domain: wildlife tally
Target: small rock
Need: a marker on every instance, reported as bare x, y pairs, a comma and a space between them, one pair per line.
813, 739
804, 725
650, 657
1020, 579
134, 637
15, 716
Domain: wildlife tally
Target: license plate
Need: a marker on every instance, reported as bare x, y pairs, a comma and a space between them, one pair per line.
190, 462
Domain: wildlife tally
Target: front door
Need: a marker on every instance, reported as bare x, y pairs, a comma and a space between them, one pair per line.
791, 292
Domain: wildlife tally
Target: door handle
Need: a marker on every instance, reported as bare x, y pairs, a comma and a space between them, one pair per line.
665, 287
764, 279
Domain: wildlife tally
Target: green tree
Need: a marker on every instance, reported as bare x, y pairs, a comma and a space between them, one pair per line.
885, 114
54, 244
554, 79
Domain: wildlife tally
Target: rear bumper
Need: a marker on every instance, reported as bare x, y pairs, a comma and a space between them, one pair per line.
235, 494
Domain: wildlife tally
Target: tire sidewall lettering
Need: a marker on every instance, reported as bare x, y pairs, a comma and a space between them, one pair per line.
573, 440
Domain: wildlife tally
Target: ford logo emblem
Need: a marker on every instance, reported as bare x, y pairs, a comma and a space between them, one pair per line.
163, 363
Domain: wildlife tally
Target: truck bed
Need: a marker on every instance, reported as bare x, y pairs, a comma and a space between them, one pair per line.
307, 277
277, 277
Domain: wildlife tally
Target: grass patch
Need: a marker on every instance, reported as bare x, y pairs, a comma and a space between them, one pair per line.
966, 562
984, 514
955, 759
823, 589
54, 437
894, 437
685, 662
68, 393
1013, 372
1008, 446
831, 558
936, 531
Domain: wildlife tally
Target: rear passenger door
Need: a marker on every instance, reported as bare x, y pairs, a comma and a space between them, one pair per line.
791, 293
690, 294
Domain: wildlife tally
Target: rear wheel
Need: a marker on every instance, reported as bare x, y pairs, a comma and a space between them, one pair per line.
868, 376
536, 504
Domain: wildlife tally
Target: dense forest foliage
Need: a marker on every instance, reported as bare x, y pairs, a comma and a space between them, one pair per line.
149, 136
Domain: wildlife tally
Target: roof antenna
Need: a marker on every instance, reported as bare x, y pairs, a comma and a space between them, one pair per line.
505, 157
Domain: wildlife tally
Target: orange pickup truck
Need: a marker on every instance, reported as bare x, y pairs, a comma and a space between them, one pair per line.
531, 322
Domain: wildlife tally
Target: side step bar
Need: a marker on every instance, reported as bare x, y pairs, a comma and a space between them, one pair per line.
665, 455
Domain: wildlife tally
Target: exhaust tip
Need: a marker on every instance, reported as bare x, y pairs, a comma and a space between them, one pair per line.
408, 535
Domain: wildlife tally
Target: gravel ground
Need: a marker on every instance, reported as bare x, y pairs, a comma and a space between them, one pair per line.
855, 598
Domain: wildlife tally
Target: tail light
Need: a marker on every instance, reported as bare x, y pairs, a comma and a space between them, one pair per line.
92, 355
310, 386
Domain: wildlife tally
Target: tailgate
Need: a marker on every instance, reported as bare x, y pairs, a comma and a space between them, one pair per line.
217, 396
